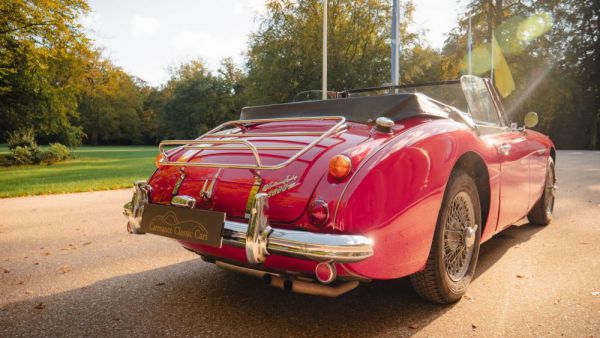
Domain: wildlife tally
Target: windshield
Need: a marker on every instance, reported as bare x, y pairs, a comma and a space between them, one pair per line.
448, 93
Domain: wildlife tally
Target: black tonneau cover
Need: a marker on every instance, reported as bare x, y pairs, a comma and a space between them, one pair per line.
359, 109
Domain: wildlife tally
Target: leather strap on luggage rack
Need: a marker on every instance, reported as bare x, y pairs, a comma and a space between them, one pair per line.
212, 140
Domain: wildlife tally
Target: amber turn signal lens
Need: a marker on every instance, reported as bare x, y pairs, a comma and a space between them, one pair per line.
159, 159
340, 166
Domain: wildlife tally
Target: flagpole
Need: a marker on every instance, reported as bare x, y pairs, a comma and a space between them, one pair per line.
324, 75
396, 43
470, 46
492, 58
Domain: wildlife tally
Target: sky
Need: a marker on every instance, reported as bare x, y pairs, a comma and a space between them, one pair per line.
146, 37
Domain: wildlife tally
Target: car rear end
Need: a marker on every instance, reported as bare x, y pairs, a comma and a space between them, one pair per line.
258, 197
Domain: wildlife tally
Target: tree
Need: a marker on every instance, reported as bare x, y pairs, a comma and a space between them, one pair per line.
42, 53
577, 39
552, 50
284, 55
109, 104
197, 100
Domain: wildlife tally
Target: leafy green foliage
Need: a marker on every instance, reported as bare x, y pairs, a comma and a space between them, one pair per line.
42, 53
109, 105
284, 56
554, 54
56, 152
21, 138
53, 80
198, 101
24, 149
23, 155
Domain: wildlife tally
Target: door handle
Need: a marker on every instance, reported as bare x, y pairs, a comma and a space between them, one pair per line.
505, 149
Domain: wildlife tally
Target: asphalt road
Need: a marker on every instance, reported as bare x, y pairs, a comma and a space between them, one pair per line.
68, 268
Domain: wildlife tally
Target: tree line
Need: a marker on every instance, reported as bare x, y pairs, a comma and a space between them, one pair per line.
54, 80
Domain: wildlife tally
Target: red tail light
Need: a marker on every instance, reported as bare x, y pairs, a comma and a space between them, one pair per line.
318, 213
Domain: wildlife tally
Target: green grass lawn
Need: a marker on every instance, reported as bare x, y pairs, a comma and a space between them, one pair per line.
92, 168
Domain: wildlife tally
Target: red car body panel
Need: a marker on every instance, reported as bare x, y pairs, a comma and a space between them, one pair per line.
393, 194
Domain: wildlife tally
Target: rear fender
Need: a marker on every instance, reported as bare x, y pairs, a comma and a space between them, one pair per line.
396, 195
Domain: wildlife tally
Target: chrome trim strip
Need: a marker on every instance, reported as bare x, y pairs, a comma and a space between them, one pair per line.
134, 209
260, 240
258, 231
304, 244
183, 201
201, 143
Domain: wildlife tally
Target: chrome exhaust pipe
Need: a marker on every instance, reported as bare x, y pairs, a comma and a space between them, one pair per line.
287, 284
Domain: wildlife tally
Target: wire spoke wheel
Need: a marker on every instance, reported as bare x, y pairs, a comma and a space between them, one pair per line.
549, 193
453, 256
541, 213
459, 236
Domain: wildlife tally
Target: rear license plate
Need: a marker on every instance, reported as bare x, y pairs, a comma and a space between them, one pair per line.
193, 225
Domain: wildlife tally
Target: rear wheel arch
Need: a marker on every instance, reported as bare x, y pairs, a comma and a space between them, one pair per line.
475, 166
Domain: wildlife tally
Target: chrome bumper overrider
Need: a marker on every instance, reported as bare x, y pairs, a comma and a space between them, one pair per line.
260, 240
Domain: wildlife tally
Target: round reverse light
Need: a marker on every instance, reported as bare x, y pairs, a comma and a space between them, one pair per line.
325, 272
340, 166
318, 213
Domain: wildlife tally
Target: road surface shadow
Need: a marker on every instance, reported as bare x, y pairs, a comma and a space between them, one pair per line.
194, 298
493, 250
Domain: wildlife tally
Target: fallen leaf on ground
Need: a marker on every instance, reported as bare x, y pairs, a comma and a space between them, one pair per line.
36, 263
467, 297
584, 243
160, 284
473, 326
66, 269
28, 292
596, 293
6, 271
413, 326
47, 253
40, 306
520, 276
87, 243
20, 283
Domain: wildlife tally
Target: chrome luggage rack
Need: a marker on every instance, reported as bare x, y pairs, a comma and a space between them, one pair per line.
215, 140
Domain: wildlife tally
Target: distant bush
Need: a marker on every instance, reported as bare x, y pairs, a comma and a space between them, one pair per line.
22, 155
25, 150
56, 152
24, 138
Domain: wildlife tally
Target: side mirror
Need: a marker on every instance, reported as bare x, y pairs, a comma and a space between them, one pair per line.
531, 120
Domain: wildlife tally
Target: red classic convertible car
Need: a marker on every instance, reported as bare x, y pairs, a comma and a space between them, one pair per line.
380, 183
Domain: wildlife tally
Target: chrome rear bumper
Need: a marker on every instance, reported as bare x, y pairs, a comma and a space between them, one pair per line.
260, 240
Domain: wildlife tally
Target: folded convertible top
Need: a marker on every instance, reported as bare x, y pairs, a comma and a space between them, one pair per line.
359, 109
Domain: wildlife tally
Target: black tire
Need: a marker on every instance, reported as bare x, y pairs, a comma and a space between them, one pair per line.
541, 214
435, 282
